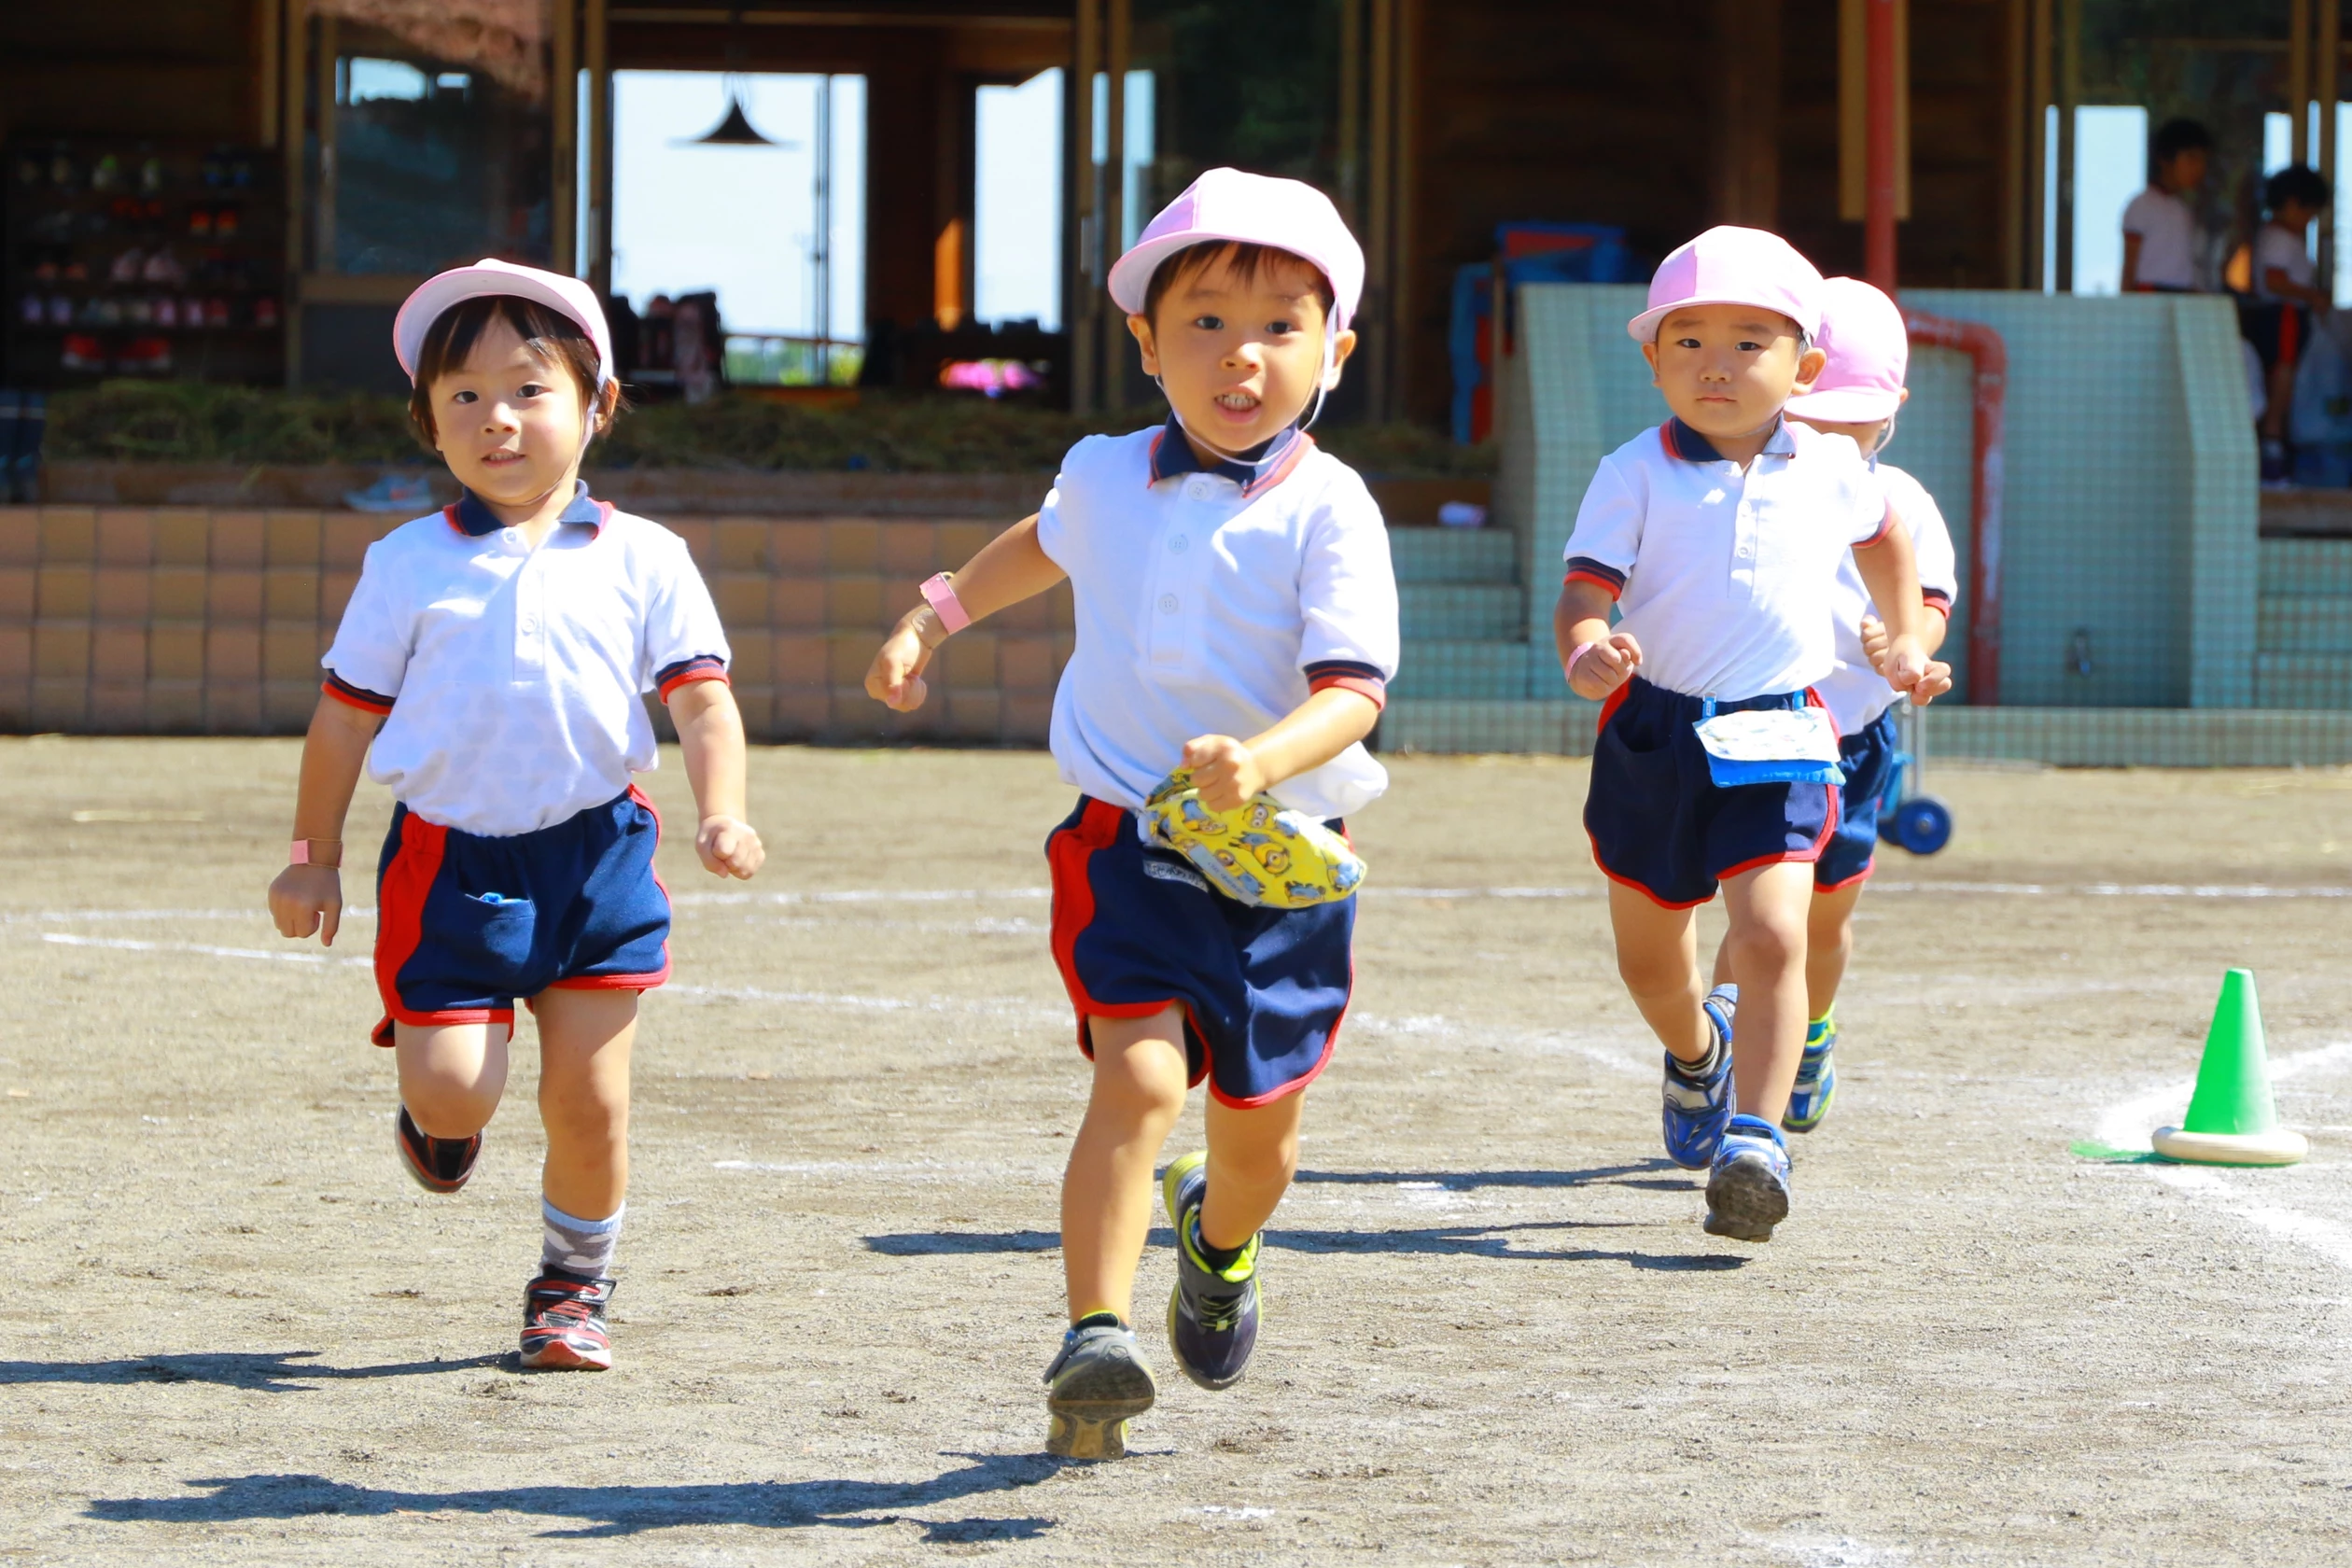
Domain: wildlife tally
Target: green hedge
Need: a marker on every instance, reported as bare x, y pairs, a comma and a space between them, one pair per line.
887, 433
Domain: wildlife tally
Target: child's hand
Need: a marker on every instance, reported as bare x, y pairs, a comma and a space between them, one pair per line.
1603, 667
1932, 684
895, 678
1906, 666
1224, 771
731, 847
1874, 642
306, 898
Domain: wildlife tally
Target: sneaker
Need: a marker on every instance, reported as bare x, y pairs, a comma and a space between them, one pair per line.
564, 1323
403, 493
440, 1165
1747, 1188
1816, 1078
1696, 1109
1212, 1313
1093, 1388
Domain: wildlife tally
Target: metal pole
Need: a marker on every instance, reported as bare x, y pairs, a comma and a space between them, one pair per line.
2037, 164
598, 56
2299, 64
563, 91
821, 251
1081, 325
2330, 62
2014, 141
1880, 192
290, 102
2069, 94
1378, 289
1114, 332
1352, 110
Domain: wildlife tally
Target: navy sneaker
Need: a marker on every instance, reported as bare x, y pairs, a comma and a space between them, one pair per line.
1696, 1109
440, 1165
1093, 1389
1817, 1077
1212, 1313
1747, 1187
564, 1323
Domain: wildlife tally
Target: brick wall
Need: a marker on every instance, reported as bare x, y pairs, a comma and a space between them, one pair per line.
211, 621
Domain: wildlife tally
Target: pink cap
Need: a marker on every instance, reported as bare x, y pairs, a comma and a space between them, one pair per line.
565, 296
1869, 347
1727, 266
1255, 209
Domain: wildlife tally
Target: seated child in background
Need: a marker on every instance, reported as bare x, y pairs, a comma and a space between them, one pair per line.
1856, 396
489, 670
1236, 617
1718, 536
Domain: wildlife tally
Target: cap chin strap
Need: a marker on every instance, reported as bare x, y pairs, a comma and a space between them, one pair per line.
1276, 448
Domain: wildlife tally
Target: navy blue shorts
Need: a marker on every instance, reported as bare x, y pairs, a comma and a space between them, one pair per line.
1137, 928
1867, 758
466, 924
1658, 822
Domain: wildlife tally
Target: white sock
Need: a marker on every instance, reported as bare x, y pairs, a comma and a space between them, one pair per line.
579, 1246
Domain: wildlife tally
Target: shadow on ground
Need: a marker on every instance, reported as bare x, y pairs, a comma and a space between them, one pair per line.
276, 1371
622, 1510
1468, 1240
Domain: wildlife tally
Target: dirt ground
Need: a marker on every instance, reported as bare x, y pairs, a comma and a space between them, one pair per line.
1496, 1333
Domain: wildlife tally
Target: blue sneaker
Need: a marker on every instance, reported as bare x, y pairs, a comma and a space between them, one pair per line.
1817, 1077
1695, 1111
1747, 1187
1212, 1313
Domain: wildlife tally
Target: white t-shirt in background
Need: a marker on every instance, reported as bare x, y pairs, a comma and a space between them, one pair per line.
2168, 239
2284, 249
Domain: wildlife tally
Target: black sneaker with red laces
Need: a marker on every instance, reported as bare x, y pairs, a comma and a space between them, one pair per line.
564, 1323
440, 1165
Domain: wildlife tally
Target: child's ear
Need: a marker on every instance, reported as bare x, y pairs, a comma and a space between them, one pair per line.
1649, 351
1341, 346
1141, 327
1810, 364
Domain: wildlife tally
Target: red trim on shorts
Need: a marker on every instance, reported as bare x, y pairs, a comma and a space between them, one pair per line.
1297, 1084
2290, 334
401, 890
1801, 857
1868, 866
644, 982
441, 1018
1067, 854
1641, 887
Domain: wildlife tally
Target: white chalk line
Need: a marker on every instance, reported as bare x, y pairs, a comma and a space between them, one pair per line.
2126, 1125
130, 944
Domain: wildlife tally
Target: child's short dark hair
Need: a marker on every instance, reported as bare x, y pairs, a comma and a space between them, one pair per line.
2176, 136
552, 336
1246, 258
2297, 182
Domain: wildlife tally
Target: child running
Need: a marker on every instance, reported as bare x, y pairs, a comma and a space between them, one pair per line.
489, 671
1236, 617
1856, 396
1717, 537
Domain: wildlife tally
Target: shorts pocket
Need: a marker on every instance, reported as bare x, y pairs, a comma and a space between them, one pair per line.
499, 928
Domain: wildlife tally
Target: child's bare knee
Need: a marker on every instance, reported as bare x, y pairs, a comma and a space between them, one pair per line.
1650, 974
448, 1107
1769, 943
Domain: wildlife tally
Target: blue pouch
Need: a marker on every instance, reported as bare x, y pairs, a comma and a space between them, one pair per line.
1770, 746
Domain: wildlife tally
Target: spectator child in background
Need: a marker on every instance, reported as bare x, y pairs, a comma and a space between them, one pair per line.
490, 671
1856, 396
2160, 227
2277, 321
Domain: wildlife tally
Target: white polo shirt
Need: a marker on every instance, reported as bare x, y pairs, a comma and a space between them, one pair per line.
1726, 578
512, 677
1206, 606
1855, 694
2167, 232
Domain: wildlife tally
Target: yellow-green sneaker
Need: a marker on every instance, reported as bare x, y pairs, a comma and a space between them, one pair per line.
1817, 1077
1212, 1313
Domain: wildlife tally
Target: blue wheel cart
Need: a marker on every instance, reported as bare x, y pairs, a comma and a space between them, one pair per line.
1908, 818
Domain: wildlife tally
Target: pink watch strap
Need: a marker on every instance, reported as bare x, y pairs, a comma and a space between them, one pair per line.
940, 593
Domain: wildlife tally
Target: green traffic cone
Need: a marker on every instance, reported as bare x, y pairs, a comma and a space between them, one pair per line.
2232, 1119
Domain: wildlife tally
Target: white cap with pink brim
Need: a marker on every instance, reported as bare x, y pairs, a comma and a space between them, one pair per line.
1732, 266
1226, 204
565, 296
1862, 332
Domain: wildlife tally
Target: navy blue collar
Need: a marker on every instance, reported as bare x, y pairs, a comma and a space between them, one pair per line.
1683, 441
1172, 454
474, 519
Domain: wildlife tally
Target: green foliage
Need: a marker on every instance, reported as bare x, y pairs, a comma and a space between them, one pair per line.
187, 423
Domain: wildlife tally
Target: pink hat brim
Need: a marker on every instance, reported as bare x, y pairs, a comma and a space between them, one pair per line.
1845, 405
1644, 328
567, 297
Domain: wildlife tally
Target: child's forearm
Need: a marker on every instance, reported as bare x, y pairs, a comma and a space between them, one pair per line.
710, 734
1582, 615
1310, 735
1009, 569
1890, 570
333, 753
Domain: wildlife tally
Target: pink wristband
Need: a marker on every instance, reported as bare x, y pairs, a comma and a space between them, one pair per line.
1582, 649
940, 593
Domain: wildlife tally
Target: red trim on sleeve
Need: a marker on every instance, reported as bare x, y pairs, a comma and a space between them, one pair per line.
1614, 589
1362, 685
366, 702
688, 678
1886, 526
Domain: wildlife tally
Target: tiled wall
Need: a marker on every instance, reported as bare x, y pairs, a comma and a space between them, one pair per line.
185, 621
